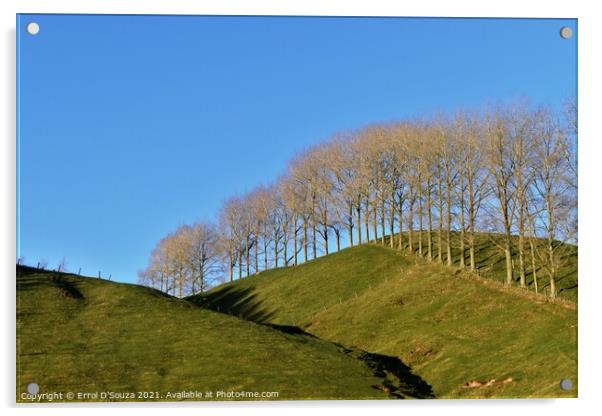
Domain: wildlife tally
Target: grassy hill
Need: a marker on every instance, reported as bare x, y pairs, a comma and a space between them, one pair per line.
449, 326
490, 260
77, 334
366, 322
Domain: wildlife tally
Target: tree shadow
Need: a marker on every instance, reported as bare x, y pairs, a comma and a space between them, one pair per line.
28, 278
237, 301
290, 329
27, 270
570, 273
398, 379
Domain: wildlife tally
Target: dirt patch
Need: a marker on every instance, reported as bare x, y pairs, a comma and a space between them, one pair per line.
492, 382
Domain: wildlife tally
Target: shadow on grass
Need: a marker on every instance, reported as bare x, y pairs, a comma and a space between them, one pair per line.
237, 301
28, 279
398, 380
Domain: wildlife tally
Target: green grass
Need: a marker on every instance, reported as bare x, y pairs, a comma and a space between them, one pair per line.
82, 334
448, 325
367, 322
491, 263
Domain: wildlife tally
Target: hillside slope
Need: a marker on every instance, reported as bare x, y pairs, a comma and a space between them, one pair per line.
449, 326
491, 263
88, 335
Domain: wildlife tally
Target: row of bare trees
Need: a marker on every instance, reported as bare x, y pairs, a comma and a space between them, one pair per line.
510, 171
184, 262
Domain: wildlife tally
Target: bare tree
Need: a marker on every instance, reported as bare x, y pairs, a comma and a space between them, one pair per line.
186, 261
448, 162
473, 181
510, 171
343, 173
519, 125
202, 254
427, 163
304, 171
294, 197
399, 135
500, 162
231, 235
552, 190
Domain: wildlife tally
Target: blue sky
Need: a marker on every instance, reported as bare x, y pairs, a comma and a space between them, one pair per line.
132, 125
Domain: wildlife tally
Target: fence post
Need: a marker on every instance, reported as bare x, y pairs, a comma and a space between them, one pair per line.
110, 276
38, 266
99, 274
79, 272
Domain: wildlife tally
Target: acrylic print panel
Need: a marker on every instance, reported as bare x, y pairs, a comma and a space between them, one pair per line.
295, 208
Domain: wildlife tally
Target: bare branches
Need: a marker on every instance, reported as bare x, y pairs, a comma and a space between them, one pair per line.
510, 171
185, 262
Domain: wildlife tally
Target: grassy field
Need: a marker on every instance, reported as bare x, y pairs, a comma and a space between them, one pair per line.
77, 334
367, 322
451, 327
490, 261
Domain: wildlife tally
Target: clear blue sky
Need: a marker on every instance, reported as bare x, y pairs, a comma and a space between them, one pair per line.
132, 125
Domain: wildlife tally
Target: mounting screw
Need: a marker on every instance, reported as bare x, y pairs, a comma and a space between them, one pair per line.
33, 28
33, 388
566, 384
566, 32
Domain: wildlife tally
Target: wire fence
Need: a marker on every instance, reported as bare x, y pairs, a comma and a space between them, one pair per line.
43, 267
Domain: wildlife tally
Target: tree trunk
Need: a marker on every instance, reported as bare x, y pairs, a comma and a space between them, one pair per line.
349, 225
471, 220
411, 226
285, 247
326, 239
181, 285
367, 221
375, 220
265, 254
521, 260
508, 254
314, 247
359, 221
521, 226
231, 264
382, 221
552, 282
295, 241
448, 220
275, 248
201, 279
429, 237
552, 265
462, 227
304, 239
533, 265
313, 226
256, 255
392, 222
400, 235
338, 237
325, 228
440, 222
248, 253
420, 224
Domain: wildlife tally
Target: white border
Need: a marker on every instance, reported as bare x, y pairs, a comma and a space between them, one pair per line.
590, 151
